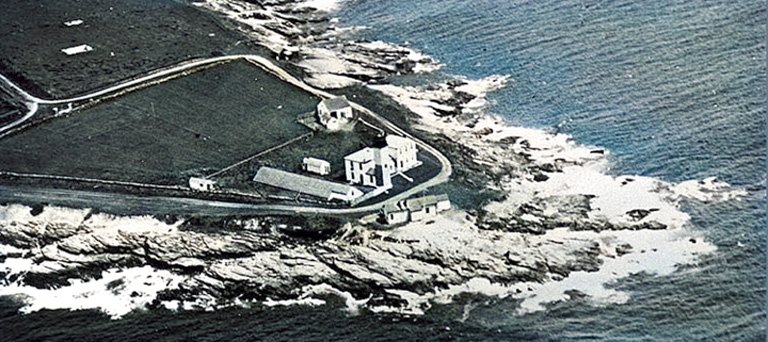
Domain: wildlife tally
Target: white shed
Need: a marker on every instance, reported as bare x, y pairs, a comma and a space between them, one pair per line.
307, 185
314, 165
77, 49
202, 184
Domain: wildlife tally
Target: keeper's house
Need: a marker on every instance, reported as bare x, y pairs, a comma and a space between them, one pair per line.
415, 209
403, 152
370, 166
375, 166
335, 113
326, 190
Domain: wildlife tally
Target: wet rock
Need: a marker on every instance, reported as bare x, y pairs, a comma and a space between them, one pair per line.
639, 214
623, 249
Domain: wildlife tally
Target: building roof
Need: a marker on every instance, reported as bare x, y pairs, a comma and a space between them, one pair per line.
315, 161
302, 184
414, 204
336, 103
361, 156
77, 49
396, 141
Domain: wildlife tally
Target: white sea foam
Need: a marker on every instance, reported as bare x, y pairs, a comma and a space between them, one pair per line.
12, 213
708, 189
657, 252
321, 5
654, 252
290, 302
117, 293
6, 250
14, 266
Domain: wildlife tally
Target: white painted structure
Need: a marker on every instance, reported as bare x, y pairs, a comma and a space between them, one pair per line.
201, 184
415, 209
75, 22
314, 165
370, 167
334, 113
403, 152
307, 185
375, 167
77, 49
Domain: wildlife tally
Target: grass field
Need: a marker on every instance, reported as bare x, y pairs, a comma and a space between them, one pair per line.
165, 133
129, 38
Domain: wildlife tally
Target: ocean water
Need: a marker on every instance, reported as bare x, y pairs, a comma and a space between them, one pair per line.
674, 89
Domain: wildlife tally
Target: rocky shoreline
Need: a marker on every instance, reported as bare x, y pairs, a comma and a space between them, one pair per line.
550, 210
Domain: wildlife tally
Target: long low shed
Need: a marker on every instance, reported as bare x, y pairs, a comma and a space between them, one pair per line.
307, 185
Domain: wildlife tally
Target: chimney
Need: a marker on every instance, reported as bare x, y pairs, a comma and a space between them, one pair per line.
383, 175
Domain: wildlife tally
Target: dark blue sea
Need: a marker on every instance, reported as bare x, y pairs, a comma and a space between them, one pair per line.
674, 89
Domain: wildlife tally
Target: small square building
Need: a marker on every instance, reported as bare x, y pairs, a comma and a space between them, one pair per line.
202, 184
317, 166
335, 113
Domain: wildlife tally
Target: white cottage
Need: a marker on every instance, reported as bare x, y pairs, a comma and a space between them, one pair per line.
415, 209
334, 113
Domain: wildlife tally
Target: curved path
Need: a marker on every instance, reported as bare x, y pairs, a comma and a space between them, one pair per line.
263, 63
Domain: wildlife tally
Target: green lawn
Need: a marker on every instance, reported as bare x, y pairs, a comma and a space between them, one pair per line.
129, 38
164, 133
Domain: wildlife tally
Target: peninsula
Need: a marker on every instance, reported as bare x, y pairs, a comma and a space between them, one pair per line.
200, 155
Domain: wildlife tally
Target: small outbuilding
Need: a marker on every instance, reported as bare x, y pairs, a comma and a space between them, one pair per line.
335, 113
314, 165
76, 22
324, 189
415, 209
77, 50
202, 184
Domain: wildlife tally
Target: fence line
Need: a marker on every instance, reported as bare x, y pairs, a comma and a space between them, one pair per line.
93, 180
307, 135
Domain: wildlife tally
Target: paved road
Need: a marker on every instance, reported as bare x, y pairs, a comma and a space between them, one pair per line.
184, 205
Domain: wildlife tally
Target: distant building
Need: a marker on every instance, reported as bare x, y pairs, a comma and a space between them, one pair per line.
202, 184
307, 185
77, 49
75, 22
334, 113
370, 166
403, 152
415, 209
314, 165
